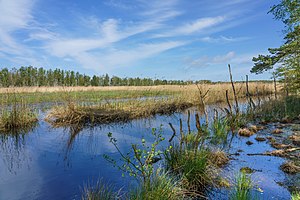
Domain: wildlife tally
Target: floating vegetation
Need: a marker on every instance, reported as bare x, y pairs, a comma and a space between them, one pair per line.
245, 132
277, 131
247, 170
290, 168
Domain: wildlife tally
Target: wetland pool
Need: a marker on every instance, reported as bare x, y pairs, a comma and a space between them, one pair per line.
56, 163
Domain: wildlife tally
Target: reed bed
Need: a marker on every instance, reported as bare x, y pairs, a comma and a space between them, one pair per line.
17, 118
112, 112
177, 98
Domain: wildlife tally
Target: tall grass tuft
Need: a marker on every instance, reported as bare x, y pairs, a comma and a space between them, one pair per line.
243, 186
17, 117
191, 166
295, 196
220, 130
100, 191
162, 186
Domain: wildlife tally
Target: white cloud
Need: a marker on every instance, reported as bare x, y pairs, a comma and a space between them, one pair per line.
121, 58
205, 61
199, 25
223, 39
15, 14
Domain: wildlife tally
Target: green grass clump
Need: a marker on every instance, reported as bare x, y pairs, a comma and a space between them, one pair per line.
162, 187
242, 190
191, 166
100, 191
295, 196
17, 117
220, 129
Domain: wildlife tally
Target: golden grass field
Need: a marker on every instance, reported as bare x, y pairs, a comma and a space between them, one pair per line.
262, 86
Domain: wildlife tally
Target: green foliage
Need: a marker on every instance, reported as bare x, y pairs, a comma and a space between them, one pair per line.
32, 76
162, 187
288, 107
295, 196
287, 55
220, 128
288, 11
139, 162
243, 186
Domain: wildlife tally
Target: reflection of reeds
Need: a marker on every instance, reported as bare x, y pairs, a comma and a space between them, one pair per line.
16, 117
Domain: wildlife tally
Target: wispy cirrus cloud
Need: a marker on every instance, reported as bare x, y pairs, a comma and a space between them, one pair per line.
15, 15
223, 39
205, 61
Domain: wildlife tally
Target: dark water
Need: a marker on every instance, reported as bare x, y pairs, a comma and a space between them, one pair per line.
49, 163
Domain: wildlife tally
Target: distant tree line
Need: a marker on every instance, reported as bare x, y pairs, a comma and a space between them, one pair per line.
32, 76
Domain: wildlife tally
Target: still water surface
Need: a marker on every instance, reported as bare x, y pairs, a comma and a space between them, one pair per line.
56, 163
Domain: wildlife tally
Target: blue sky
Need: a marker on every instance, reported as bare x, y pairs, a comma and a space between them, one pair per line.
172, 39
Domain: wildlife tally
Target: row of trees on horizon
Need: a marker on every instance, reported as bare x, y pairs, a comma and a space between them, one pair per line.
32, 76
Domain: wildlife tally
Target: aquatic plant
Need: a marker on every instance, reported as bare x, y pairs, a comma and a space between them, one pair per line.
163, 186
295, 196
220, 130
100, 191
16, 117
139, 162
242, 188
290, 167
191, 166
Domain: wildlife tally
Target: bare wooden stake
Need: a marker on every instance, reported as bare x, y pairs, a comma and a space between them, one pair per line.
234, 92
181, 135
188, 121
198, 125
228, 102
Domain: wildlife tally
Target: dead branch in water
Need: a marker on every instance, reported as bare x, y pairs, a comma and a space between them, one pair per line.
234, 92
174, 132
